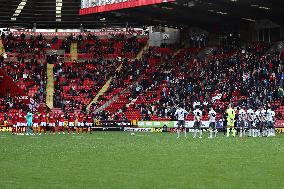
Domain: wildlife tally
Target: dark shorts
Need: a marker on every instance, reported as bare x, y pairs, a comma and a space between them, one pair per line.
242, 124
181, 123
250, 124
212, 125
197, 125
263, 124
270, 124
257, 125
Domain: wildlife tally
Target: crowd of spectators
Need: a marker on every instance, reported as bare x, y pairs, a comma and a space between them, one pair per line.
28, 72
244, 76
20, 44
154, 85
129, 72
29, 75
118, 45
77, 83
35, 44
133, 76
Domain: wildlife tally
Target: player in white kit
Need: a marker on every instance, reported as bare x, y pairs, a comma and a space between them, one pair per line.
197, 122
270, 122
263, 125
242, 120
250, 118
181, 114
257, 121
212, 123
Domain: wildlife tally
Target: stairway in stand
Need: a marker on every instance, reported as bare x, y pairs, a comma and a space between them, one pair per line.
105, 87
140, 54
73, 51
50, 86
2, 50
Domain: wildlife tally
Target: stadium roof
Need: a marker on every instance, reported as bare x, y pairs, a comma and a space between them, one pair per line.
182, 13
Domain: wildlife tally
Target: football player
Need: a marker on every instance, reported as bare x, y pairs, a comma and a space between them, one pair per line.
43, 121
212, 123
270, 122
89, 123
242, 120
29, 120
71, 122
230, 121
263, 128
61, 119
181, 114
197, 122
80, 122
35, 123
51, 123
251, 119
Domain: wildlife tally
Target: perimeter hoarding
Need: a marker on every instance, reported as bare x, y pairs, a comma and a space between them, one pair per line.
96, 6
84, 34
169, 124
189, 124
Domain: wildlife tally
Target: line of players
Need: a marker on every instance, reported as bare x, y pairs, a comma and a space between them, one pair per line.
32, 124
258, 122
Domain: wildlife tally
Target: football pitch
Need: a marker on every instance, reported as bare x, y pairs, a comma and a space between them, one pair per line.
147, 160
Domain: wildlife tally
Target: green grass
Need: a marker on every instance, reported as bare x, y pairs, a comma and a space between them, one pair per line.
146, 160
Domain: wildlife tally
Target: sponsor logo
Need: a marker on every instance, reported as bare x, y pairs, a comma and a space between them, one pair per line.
130, 129
279, 130
23, 97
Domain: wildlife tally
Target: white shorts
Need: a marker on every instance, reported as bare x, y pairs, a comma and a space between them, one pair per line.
61, 124
71, 124
51, 124
35, 124
80, 124
43, 124
18, 124
89, 124
23, 124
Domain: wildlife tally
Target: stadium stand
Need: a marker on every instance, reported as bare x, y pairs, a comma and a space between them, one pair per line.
232, 74
77, 83
148, 88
